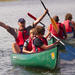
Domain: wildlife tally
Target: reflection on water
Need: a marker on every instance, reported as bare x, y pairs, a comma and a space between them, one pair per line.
18, 70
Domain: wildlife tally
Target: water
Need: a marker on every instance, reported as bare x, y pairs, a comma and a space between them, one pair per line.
10, 12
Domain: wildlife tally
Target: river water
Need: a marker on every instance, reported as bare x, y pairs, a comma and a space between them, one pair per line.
10, 12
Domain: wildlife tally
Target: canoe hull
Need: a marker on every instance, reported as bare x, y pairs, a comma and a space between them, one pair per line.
46, 59
37, 59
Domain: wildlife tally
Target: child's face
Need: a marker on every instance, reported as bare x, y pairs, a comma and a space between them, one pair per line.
31, 34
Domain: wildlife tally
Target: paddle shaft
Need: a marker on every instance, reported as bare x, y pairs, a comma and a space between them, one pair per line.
58, 39
52, 20
35, 18
45, 8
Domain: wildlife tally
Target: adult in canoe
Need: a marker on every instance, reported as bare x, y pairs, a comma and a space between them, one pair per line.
39, 42
69, 24
61, 29
21, 34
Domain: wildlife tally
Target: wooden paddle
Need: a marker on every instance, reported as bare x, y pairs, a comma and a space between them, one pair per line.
52, 20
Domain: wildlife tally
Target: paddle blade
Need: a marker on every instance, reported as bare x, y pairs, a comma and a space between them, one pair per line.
31, 16
54, 25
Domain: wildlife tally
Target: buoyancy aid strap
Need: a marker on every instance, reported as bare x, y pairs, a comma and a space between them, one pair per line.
27, 41
70, 23
23, 36
36, 49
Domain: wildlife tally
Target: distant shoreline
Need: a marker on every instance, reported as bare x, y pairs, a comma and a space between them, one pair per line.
7, 0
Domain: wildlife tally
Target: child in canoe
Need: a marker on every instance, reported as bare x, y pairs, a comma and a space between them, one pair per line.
69, 24
61, 32
27, 48
39, 42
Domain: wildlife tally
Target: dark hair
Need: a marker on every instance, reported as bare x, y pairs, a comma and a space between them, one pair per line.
56, 18
68, 16
21, 20
39, 30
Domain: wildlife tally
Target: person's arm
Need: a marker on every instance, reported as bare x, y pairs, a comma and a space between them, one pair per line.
49, 33
26, 51
9, 29
4, 25
73, 25
40, 18
45, 47
38, 43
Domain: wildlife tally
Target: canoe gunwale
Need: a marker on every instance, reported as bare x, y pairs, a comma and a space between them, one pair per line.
38, 52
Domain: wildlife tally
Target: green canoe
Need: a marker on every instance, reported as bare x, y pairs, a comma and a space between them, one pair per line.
46, 59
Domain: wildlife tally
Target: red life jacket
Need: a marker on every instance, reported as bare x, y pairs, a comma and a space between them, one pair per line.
52, 30
29, 45
61, 30
60, 33
22, 37
67, 26
38, 49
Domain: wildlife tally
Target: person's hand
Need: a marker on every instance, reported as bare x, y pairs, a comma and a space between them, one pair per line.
31, 51
49, 32
57, 42
46, 11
